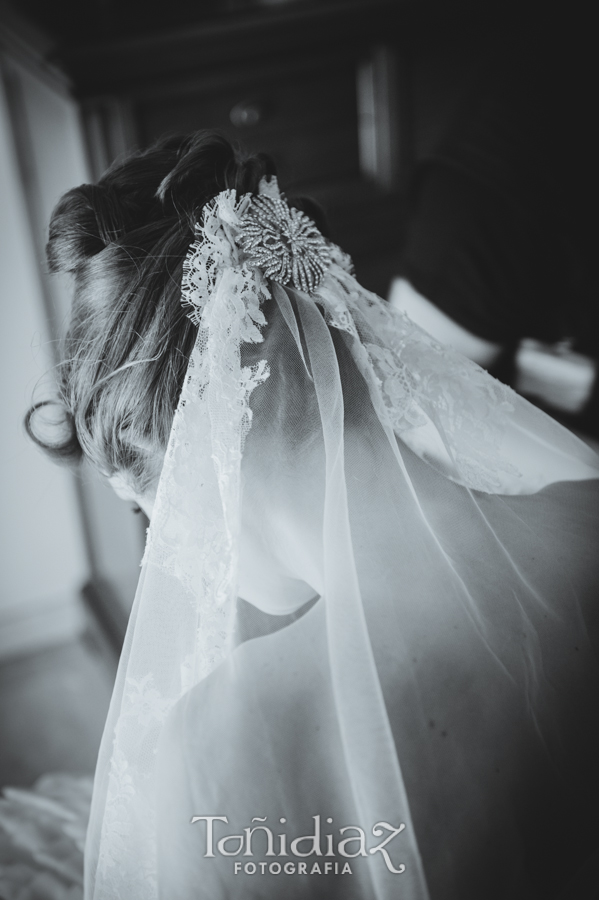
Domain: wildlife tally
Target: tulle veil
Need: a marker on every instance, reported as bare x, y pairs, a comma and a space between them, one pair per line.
366, 613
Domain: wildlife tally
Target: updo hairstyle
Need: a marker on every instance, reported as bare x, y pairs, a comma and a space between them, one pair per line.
126, 351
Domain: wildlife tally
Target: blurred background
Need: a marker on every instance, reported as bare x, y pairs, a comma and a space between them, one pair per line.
453, 151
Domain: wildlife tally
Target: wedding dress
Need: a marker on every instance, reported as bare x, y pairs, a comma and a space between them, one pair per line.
42, 836
362, 657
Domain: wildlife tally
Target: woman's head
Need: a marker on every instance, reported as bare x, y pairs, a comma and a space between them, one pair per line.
126, 351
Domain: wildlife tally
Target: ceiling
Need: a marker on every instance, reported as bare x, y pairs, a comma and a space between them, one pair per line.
72, 22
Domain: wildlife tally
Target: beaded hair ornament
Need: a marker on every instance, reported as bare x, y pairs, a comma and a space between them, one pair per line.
249, 233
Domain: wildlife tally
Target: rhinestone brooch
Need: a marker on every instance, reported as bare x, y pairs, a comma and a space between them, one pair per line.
284, 243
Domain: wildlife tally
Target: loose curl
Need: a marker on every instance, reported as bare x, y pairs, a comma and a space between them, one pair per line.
126, 351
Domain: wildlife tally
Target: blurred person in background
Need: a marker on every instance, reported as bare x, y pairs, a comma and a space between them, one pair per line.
500, 259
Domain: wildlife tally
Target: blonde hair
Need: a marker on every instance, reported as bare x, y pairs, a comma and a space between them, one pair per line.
126, 352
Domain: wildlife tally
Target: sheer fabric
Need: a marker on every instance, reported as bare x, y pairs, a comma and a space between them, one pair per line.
368, 596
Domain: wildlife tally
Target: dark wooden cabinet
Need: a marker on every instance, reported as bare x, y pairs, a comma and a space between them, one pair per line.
303, 114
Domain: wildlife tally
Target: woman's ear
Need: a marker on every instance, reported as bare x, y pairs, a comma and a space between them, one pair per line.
123, 489
121, 486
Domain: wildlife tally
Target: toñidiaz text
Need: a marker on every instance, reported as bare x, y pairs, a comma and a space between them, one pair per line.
320, 852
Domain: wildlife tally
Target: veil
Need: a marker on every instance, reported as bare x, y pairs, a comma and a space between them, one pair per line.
361, 660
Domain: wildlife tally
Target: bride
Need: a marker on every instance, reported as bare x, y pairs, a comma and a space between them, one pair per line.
362, 656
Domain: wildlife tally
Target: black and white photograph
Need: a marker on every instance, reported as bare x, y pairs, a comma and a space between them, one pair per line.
299, 570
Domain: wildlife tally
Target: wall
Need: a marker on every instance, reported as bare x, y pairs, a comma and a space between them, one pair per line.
43, 561
58, 533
